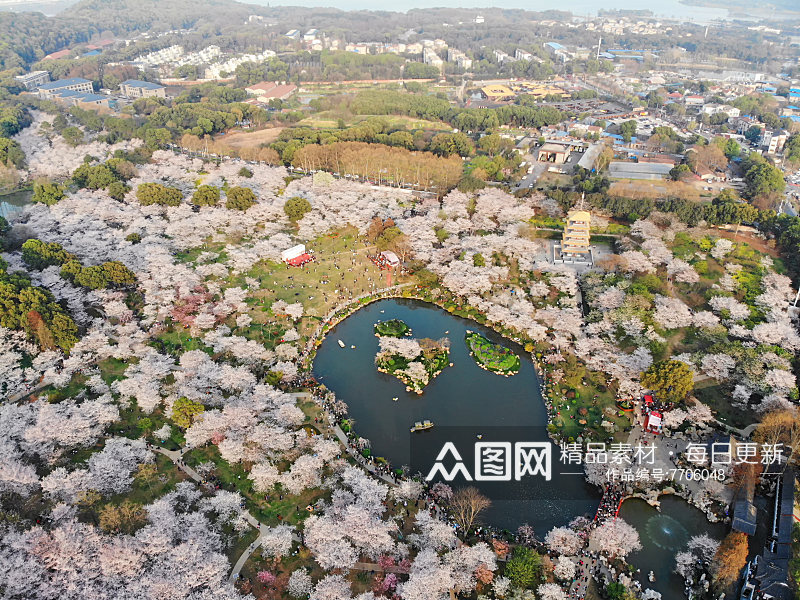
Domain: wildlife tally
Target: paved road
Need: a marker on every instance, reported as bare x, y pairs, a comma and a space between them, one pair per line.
529, 181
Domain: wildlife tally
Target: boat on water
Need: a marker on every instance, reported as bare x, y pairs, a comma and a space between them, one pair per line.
422, 426
353, 347
341, 343
395, 399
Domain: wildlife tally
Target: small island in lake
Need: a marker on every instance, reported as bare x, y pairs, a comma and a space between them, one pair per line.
391, 328
492, 357
414, 362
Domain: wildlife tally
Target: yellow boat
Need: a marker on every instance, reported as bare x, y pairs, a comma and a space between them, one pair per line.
422, 426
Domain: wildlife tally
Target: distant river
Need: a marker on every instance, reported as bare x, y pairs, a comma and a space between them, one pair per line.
464, 401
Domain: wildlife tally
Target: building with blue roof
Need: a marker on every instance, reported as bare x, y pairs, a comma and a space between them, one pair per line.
557, 50
134, 88
83, 99
74, 84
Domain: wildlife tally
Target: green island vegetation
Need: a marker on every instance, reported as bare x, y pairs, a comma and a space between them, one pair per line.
415, 362
490, 356
391, 328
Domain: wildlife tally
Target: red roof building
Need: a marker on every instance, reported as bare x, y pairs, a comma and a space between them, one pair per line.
56, 55
269, 90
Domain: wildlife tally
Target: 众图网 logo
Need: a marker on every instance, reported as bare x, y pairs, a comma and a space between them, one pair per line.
496, 461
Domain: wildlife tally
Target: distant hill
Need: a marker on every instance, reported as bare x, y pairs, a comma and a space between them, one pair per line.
26, 37
130, 15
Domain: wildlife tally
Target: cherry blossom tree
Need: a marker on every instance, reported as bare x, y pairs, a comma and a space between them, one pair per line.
563, 540
672, 313
551, 591
565, 569
277, 541
616, 538
300, 584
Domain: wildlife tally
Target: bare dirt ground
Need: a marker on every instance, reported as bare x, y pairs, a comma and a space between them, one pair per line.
251, 139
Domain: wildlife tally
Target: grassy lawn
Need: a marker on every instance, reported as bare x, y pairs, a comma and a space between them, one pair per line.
711, 394
75, 386
113, 369
143, 493
599, 409
240, 544
291, 509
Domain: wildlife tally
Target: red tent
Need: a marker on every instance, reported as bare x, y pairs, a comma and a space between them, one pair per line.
299, 261
652, 423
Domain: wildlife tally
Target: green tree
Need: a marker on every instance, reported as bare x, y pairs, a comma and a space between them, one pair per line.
93, 278
184, 411
93, 177
47, 192
478, 260
118, 274
732, 149
296, 208
627, 130
490, 143
206, 195
157, 138
245, 172
11, 154
670, 380
617, 591
72, 135
117, 190
791, 150
761, 178
5, 227
753, 134
524, 568
470, 183
239, 198
155, 193
40, 255
678, 172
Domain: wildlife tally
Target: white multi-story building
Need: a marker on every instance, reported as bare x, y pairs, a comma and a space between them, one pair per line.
773, 141
458, 57
715, 109
34, 79
226, 68
160, 57
429, 57
74, 84
502, 57
520, 54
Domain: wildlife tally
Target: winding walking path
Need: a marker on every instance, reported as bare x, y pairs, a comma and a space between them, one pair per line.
176, 456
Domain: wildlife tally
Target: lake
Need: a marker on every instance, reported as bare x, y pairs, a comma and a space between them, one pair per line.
13, 203
464, 402
663, 534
